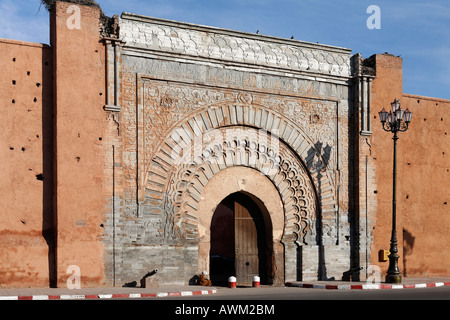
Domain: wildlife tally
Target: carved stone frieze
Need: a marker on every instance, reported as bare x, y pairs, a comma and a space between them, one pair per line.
175, 117
240, 146
166, 104
181, 118
200, 42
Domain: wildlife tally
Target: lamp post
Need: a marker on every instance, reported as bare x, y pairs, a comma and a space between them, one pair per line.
395, 121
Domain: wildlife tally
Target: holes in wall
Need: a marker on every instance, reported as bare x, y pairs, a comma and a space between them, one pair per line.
38, 84
40, 177
35, 99
14, 59
13, 101
78, 159
14, 82
23, 149
28, 73
11, 148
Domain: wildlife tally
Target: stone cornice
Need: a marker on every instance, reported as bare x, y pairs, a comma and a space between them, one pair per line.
229, 46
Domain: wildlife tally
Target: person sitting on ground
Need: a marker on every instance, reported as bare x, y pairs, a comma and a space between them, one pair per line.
203, 280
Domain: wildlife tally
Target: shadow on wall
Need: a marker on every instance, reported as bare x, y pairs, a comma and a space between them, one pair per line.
47, 176
322, 155
408, 244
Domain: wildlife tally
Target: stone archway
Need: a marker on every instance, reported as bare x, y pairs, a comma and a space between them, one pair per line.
314, 156
241, 242
261, 157
240, 146
205, 144
262, 192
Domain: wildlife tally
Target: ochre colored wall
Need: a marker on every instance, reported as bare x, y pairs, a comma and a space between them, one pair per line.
387, 86
26, 235
79, 75
423, 172
424, 188
51, 153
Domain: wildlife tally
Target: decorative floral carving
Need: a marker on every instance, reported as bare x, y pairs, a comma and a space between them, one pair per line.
277, 163
245, 98
173, 116
154, 35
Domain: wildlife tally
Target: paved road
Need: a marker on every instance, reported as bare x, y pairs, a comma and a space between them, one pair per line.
290, 293
284, 302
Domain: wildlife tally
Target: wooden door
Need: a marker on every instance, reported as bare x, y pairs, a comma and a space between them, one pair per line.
246, 223
222, 243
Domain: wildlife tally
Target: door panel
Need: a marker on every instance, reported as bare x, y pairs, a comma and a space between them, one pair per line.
222, 264
246, 244
238, 241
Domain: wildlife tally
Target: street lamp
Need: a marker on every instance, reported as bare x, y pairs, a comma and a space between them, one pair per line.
395, 121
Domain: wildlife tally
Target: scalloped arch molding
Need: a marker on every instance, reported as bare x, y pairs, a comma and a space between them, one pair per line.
221, 137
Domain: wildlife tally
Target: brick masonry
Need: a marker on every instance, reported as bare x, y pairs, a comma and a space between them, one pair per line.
180, 80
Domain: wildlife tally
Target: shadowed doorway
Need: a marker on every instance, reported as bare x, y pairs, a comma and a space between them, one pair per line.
241, 241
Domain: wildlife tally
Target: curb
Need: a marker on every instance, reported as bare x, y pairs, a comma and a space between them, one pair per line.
109, 295
369, 286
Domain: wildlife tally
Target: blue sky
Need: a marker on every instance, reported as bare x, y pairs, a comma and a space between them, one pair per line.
418, 31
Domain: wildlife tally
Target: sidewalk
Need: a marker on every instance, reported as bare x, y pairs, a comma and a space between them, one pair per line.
136, 292
102, 293
407, 283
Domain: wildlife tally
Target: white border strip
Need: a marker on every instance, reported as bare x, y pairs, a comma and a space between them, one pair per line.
370, 286
72, 296
162, 294
397, 286
9, 298
106, 295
